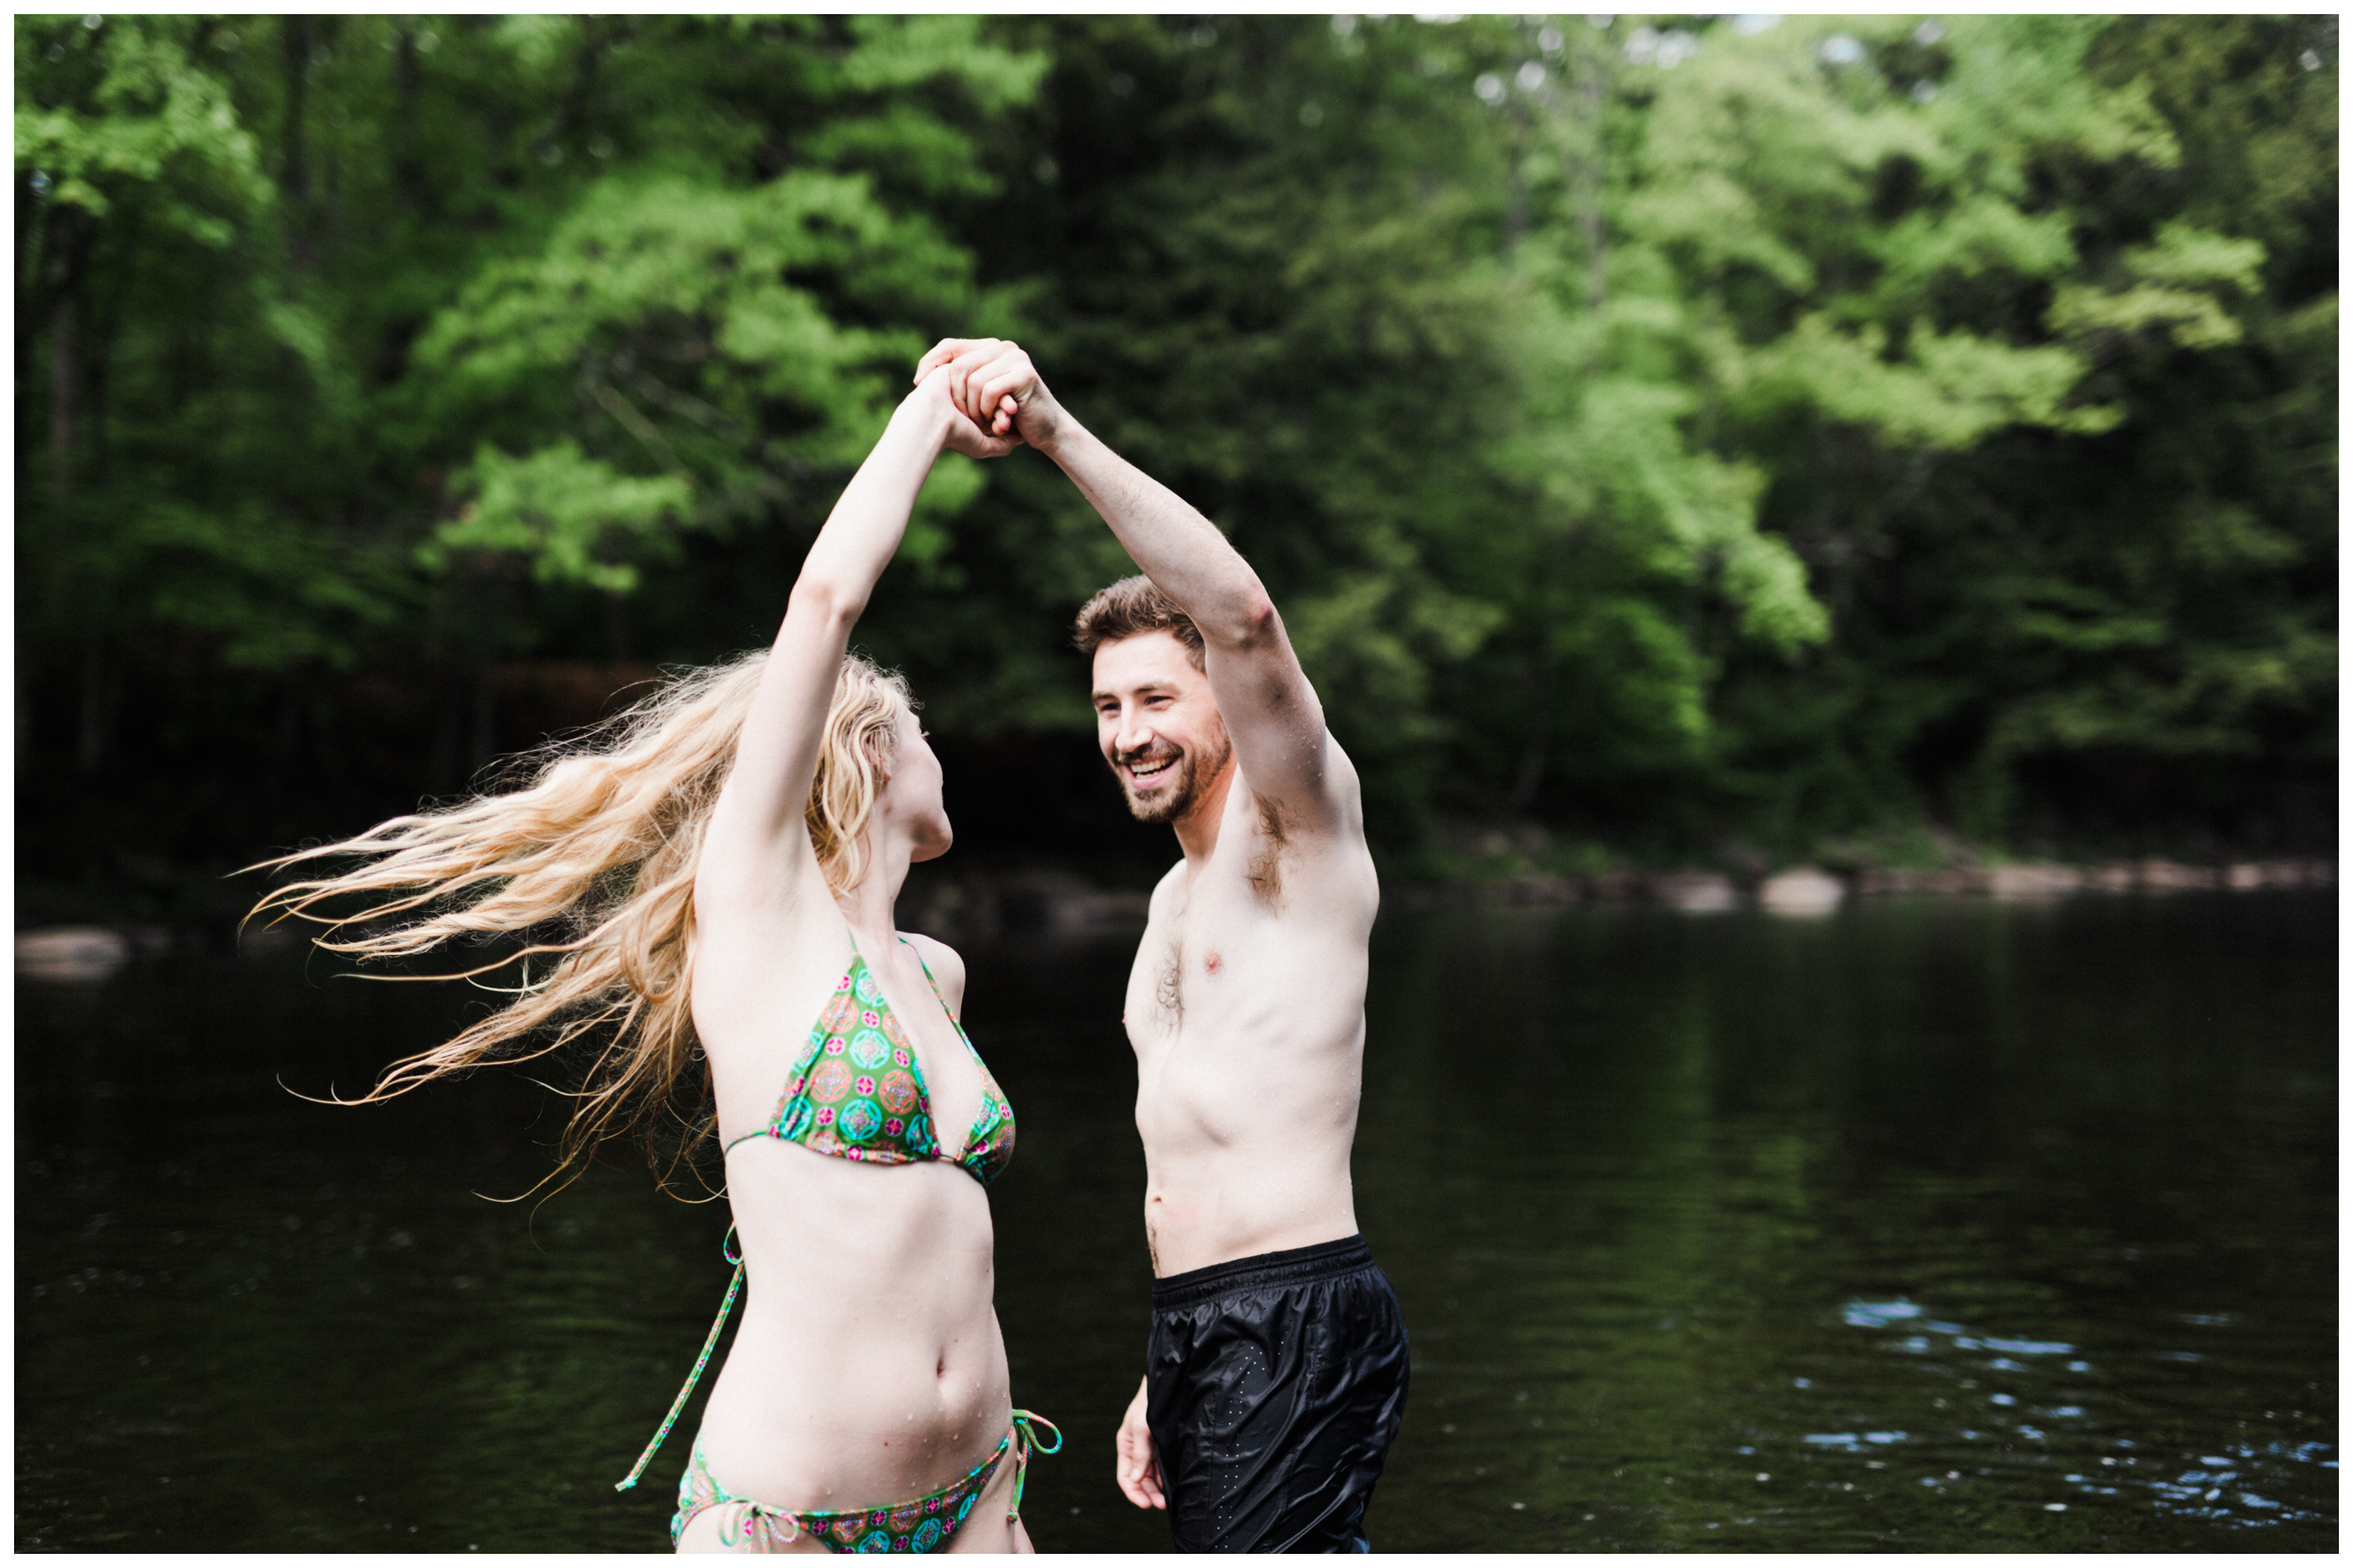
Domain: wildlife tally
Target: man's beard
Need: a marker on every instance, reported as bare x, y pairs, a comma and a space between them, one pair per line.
1179, 797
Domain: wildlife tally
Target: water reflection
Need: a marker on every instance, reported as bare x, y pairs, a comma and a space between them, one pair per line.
1927, 1226
2043, 1404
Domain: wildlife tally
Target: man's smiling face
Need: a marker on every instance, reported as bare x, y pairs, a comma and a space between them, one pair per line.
1158, 725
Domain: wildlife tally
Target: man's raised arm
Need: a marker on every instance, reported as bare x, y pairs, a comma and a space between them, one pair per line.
1270, 709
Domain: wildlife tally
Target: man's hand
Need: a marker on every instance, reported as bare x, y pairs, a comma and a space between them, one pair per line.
1139, 1466
996, 387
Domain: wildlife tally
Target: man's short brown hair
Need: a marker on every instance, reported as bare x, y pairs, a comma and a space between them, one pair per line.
1129, 608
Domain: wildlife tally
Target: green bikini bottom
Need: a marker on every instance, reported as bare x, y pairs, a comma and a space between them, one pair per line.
925, 1525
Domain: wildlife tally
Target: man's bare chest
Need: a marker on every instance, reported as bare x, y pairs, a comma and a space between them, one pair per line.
1223, 946
1209, 966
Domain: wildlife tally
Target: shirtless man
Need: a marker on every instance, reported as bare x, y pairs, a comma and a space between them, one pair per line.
1275, 1372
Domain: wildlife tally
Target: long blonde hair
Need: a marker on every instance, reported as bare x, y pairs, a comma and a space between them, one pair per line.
593, 858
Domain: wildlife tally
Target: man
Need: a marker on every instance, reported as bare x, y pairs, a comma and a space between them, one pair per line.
1275, 1372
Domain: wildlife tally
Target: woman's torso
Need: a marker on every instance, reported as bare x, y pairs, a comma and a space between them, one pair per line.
868, 1367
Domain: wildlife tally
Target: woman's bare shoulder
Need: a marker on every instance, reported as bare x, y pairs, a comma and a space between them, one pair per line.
947, 966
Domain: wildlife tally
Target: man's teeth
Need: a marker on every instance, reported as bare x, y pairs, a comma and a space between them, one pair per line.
1149, 770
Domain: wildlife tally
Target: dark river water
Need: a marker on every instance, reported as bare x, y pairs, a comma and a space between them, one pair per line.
1924, 1227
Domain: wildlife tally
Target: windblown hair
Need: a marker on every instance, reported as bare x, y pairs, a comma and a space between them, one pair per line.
1129, 608
593, 861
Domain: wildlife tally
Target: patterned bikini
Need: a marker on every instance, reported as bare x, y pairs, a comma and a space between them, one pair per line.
857, 1093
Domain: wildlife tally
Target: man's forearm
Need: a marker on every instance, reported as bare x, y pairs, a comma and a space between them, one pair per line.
1179, 548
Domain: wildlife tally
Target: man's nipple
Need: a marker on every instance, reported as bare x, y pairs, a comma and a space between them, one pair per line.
1212, 963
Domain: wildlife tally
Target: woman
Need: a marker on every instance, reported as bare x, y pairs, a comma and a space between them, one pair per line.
727, 861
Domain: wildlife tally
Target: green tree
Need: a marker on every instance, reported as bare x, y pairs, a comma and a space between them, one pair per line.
687, 350
1829, 284
385, 344
2118, 624
1666, 431
138, 181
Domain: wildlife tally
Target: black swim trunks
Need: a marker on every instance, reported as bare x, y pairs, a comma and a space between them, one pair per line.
1273, 1386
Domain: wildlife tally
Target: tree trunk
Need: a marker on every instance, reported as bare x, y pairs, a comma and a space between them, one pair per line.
616, 630
29, 221
63, 379
89, 747
408, 160
1591, 178
287, 746
1515, 185
294, 167
485, 738
440, 778
91, 742
1590, 217
1531, 773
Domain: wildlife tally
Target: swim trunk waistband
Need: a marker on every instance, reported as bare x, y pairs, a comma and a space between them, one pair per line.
1266, 1272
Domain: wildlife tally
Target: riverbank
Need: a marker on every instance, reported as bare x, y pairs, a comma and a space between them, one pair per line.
1061, 902
1812, 889
1056, 902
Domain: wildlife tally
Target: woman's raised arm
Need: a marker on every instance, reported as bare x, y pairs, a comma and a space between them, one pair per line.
757, 841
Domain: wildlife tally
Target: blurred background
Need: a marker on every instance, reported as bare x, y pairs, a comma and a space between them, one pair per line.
1710, 466
1715, 442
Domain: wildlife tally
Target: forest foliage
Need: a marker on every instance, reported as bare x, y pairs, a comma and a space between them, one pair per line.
1782, 433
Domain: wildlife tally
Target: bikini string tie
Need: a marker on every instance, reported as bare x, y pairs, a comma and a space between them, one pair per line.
728, 1249
764, 1528
1025, 1425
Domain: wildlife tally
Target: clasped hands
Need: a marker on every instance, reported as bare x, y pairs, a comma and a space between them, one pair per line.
998, 399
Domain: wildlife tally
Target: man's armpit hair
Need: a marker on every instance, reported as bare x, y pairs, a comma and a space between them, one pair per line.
1266, 867
1129, 608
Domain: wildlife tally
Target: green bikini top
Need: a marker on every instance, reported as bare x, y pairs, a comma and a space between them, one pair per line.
858, 1092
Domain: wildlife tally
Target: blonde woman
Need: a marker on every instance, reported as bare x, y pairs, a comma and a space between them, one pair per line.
727, 861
